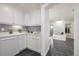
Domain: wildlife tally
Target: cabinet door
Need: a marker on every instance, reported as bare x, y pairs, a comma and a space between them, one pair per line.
6, 15
33, 43
27, 19
32, 18
37, 44
22, 42
18, 15
35, 18
9, 46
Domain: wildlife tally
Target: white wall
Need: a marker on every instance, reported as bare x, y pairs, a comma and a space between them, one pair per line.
76, 30
45, 41
59, 27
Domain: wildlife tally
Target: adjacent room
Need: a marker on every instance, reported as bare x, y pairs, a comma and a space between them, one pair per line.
61, 18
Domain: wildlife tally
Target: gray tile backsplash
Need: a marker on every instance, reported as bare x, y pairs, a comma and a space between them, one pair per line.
33, 28
25, 28
6, 27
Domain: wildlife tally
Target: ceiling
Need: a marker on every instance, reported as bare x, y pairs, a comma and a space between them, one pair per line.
61, 12
27, 6
24, 6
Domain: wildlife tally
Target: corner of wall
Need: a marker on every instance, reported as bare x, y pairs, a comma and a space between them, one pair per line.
45, 53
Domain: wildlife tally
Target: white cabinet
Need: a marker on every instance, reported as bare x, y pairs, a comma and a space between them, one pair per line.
33, 43
12, 45
37, 44
18, 17
6, 15
27, 19
14, 15
32, 18
30, 42
11, 15
36, 18
9, 46
22, 42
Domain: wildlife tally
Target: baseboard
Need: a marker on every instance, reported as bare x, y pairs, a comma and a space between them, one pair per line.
44, 54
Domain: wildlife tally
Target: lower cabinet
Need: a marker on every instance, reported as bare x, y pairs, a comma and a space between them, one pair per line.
10, 46
33, 43
22, 42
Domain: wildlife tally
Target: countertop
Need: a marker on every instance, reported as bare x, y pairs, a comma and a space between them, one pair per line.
6, 34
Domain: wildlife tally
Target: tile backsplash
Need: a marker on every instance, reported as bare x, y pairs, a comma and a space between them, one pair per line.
33, 28
7, 28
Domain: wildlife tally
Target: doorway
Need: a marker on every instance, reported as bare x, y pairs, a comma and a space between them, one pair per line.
61, 26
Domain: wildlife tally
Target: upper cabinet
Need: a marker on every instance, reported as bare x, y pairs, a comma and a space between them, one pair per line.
33, 18
6, 14
36, 17
18, 17
27, 19
10, 15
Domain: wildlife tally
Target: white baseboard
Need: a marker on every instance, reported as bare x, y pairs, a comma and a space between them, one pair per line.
44, 54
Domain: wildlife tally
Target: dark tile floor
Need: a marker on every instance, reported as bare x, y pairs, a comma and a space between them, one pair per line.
62, 48
59, 48
28, 52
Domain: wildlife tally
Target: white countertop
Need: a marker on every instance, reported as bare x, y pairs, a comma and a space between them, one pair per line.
6, 34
